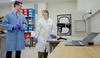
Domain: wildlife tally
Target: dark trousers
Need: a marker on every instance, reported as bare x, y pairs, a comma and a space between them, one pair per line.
17, 55
42, 54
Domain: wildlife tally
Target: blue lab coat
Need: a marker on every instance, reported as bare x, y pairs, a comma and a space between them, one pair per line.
15, 38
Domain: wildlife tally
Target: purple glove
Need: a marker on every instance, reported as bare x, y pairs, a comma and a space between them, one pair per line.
17, 26
36, 40
52, 36
14, 27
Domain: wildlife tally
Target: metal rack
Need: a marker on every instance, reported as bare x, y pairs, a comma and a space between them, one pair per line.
30, 18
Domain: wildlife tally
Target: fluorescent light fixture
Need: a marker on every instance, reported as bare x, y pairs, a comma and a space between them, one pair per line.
12, 0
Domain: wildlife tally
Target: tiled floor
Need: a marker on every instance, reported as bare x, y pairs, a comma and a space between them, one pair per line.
26, 53
29, 53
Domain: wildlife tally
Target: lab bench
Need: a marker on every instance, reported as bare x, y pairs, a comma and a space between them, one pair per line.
53, 43
62, 51
2, 45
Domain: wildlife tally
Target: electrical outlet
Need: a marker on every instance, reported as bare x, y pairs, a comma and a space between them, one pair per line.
90, 12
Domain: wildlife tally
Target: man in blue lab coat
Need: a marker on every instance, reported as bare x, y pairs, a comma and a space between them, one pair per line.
14, 22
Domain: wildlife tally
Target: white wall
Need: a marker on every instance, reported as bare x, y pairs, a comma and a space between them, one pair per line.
87, 5
41, 6
57, 8
28, 5
93, 21
4, 10
94, 25
61, 8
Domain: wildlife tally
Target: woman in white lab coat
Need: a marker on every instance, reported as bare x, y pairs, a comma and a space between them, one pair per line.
44, 29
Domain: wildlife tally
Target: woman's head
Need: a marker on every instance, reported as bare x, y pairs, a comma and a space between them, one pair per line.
45, 13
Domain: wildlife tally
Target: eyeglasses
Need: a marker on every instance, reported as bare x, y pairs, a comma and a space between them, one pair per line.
20, 5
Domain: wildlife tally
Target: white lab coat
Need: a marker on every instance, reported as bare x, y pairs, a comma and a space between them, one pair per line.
43, 31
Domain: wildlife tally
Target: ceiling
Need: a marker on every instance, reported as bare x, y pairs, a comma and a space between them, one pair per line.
9, 2
5, 1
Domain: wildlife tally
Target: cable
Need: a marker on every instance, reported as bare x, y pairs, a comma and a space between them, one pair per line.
85, 20
85, 23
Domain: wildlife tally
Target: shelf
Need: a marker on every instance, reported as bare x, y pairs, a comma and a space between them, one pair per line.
98, 11
31, 25
30, 17
27, 32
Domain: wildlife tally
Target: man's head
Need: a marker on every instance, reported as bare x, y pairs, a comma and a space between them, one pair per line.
18, 5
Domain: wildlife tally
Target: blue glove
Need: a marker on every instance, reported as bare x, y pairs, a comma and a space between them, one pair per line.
52, 36
36, 40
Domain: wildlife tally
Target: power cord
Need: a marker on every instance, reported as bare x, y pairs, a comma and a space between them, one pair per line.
85, 20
